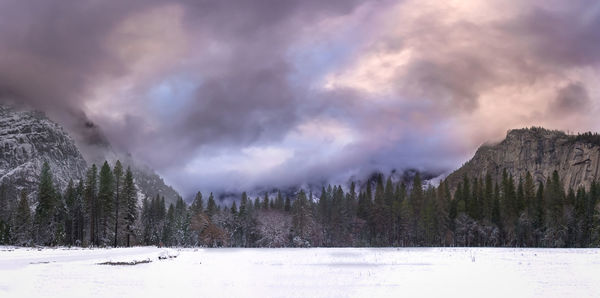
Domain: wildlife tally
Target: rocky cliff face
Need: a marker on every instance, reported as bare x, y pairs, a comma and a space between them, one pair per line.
27, 140
538, 151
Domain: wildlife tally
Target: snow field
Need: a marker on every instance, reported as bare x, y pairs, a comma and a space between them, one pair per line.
315, 272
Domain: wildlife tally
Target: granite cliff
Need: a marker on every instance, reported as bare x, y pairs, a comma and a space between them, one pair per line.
27, 140
539, 151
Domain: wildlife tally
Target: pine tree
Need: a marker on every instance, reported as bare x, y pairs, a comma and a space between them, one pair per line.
520, 198
80, 213
466, 195
399, 198
71, 212
106, 193
234, 209
279, 203
416, 202
198, 205
302, 222
488, 197
379, 217
539, 206
23, 221
257, 204
555, 200
44, 212
146, 220
288, 204
169, 227
265, 202
131, 201
6, 220
496, 216
211, 208
91, 200
529, 194
118, 177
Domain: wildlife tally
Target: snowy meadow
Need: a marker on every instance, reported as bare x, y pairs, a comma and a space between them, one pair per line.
315, 272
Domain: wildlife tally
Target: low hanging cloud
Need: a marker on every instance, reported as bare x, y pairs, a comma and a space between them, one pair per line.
572, 98
230, 95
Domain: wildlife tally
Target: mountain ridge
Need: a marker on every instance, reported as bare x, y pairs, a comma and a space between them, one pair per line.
28, 138
539, 151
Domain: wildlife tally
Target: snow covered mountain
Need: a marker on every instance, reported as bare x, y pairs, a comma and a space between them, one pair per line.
27, 140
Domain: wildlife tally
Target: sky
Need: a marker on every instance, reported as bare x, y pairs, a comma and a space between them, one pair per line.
224, 95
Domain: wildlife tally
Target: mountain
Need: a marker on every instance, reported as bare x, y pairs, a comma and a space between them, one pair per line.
539, 151
27, 140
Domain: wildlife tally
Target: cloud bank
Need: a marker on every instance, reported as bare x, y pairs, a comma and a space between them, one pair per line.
230, 95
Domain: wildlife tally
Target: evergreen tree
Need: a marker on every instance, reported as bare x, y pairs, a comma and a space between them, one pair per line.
555, 201
288, 204
146, 220
44, 213
211, 207
118, 178
302, 219
234, 209
265, 202
198, 205
520, 201
466, 195
23, 221
169, 227
279, 203
529, 194
488, 198
257, 204
379, 216
496, 216
106, 193
71, 213
416, 202
6, 220
130, 199
91, 200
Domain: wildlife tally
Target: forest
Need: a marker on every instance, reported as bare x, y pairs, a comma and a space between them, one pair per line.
103, 209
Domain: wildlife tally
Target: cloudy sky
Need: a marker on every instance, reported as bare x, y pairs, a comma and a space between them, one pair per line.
219, 94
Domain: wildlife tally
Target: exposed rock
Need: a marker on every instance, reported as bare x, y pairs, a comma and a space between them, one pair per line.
539, 151
27, 140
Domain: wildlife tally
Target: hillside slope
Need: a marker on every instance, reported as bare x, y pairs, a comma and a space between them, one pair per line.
539, 151
27, 140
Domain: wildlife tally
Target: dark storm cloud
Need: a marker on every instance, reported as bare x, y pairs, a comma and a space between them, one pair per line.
572, 98
564, 36
54, 52
233, 59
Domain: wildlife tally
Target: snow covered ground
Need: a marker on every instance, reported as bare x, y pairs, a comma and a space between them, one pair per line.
433, 272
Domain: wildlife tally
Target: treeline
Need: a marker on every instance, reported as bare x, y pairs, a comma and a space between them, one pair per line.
479, 212
102, 210
586, 137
